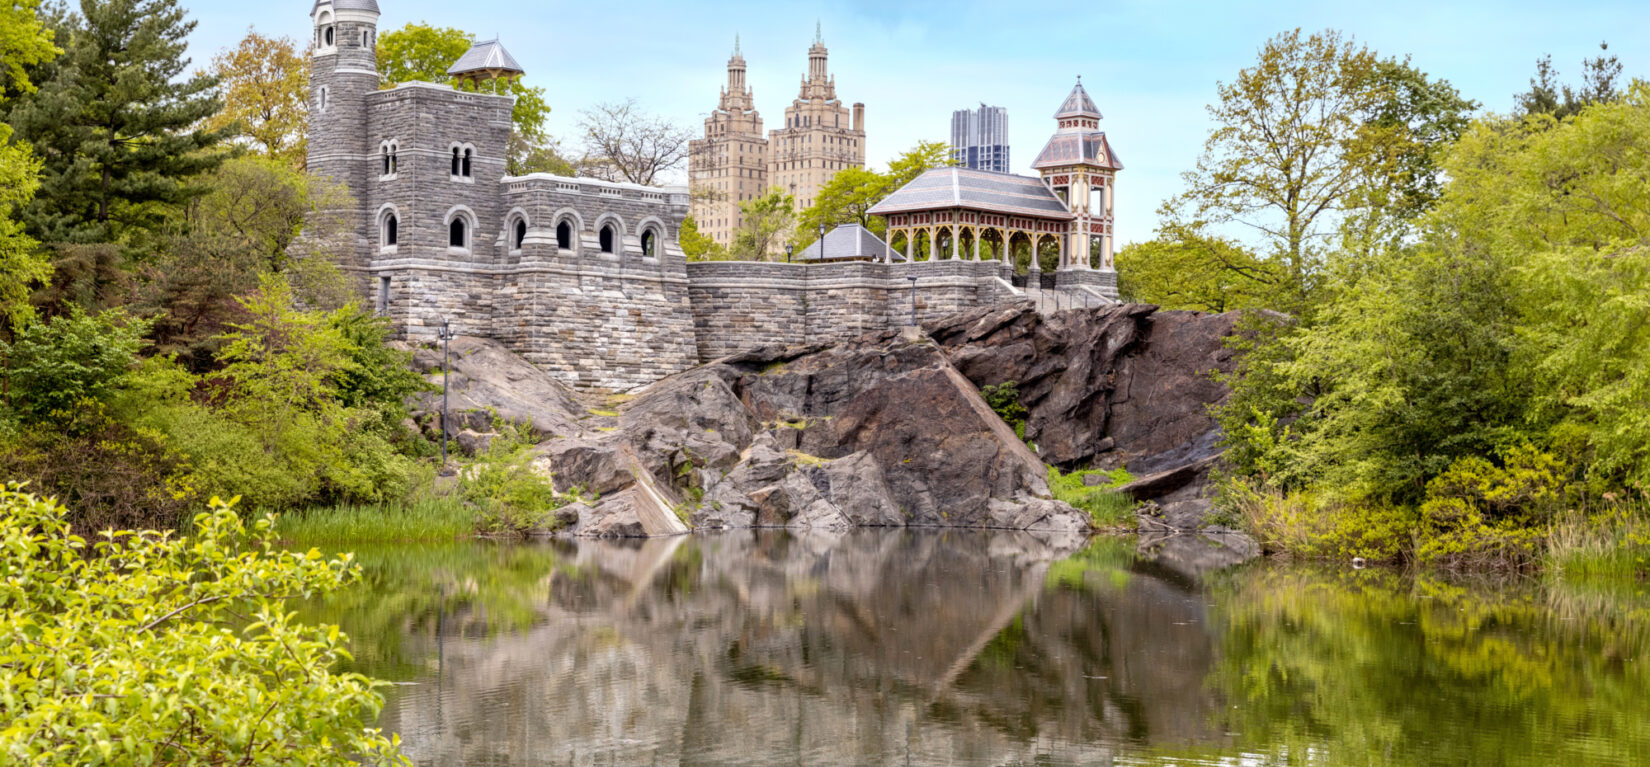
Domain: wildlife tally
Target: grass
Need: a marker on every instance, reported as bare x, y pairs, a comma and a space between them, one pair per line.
1611, 544
419, 520
1107, 508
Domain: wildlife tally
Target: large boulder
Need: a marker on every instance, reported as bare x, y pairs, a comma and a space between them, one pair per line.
488, 381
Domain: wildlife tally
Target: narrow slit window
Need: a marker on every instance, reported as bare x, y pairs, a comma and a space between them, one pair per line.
455, 161
390, 226
564, 236
467, 154
521, 233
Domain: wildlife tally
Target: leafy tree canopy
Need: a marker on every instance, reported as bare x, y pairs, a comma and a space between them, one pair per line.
265, 86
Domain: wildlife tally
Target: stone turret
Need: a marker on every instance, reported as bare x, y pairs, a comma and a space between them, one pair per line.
344, 69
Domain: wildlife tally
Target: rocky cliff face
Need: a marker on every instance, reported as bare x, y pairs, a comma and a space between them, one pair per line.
885, 430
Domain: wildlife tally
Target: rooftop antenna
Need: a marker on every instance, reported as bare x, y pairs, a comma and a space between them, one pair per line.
736, 43
819, 36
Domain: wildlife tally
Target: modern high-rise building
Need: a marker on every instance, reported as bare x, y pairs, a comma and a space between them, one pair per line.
735, 162
979, 138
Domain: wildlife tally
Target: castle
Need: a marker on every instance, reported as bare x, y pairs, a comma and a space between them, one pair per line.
584, 278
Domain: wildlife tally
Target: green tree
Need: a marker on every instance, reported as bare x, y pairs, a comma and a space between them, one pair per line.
24, 43
1191, 270
696, 246
1319, 129
848, 197
117, 123
265, 86
21, 261
766, 221
143, 648
420, 52
1600, 83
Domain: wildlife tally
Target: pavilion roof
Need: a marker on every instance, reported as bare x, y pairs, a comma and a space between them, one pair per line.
1078, 104
1078, 148
943, 188
486, 56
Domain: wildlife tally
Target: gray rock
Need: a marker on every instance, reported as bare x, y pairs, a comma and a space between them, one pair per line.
487, 378
593, 465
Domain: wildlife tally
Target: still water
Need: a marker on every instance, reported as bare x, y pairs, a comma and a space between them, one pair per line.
896, 648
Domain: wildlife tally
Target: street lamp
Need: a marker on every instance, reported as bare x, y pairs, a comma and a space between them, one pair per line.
445, 334
913, 279
788, 248
822, 241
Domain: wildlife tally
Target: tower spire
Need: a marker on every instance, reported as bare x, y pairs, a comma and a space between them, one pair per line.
736, 44
819, 33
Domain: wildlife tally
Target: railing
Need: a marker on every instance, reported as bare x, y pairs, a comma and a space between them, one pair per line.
1047, 282
1018, 280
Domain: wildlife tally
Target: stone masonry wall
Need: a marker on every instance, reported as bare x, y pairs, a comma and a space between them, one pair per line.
742, 305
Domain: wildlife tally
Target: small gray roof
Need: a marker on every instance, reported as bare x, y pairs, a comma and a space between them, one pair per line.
981, 190
346, 5
847, 242
485, 56
1083, 148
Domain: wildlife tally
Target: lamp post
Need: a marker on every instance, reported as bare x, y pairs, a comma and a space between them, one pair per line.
788, 249
822, 241
445, 334
913, 279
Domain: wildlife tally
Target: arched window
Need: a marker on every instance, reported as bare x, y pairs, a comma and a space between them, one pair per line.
326, 37
518, 234
647, 244
607, 238
564, 236
467, 153
325, 93
456, 234
386, 152
363, 38
455, 161
391, 225
394, 161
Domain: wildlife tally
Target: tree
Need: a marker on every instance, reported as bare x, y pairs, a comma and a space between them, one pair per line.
117, 124
1315, 130
623, 143
420, 52
1600, 83
765, 222
265, 86
1191, 270
848, 197
696, 246
54, 366
24, 43
144, 648
21, 262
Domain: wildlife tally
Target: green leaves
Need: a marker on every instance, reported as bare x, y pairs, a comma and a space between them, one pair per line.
174, 650
53, 366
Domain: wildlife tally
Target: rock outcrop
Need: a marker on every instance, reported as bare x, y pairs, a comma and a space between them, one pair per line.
885, 430
1122, 386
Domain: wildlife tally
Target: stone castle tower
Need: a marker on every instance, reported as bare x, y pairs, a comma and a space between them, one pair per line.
735, 162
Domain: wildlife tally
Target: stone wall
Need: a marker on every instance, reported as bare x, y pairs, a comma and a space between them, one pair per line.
740, 305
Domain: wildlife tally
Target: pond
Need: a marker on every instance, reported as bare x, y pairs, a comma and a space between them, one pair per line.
960, 648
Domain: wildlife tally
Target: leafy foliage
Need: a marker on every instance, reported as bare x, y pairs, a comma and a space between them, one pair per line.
120, 651
1107, 508
1004, 399
55, 366
265, 86
765, 222
117, 123
21, 262
847, 198
510, 495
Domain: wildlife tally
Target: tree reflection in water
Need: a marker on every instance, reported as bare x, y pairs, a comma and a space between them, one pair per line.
896, 647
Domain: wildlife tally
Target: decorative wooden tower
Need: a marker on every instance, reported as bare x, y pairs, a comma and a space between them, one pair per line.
1080, 166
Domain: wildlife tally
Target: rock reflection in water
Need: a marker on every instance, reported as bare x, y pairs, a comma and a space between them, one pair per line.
764, 647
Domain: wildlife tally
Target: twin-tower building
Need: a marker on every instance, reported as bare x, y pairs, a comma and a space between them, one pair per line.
735, 161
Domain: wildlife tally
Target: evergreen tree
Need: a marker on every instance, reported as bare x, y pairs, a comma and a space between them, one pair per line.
115, 123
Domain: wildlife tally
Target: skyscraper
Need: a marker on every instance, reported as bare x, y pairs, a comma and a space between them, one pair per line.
821, 136
979, 138
730, 164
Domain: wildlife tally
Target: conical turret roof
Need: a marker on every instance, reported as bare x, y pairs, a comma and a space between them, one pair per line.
1078, 104
346, 5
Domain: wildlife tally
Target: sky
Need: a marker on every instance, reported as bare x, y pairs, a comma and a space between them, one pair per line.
1150, 67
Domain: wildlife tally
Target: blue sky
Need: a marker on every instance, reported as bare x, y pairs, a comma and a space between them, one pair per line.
1150, 67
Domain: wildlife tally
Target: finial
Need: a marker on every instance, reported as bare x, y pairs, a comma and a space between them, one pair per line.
819, 35
736, 43
1079, 79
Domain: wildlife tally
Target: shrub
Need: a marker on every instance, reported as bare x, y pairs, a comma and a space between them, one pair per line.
1107, 508
121, 653
511, 497
1304, 523
1004, 399
53, 366
1478, 514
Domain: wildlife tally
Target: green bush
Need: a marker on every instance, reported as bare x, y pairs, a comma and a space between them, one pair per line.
1304, 523
1107, 508
509, 495
52, 366
1478, 514
1004, 399
122, 651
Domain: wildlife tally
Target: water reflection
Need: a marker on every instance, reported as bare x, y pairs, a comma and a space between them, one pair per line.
884, 647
